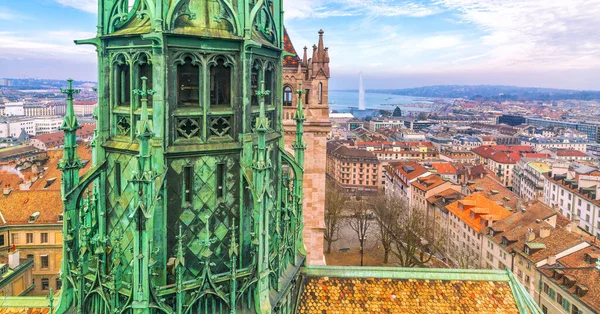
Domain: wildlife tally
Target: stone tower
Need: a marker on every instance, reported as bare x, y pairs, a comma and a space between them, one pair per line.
192, 205
311, 75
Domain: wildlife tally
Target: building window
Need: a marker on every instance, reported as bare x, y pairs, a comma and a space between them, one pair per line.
546, 288
29, 256
306, 96
287, 96
188, 80
14, 238
45, 284
566, 305
118, 179
44, 261
123, 84
220, 180
29, 238
188, 184
544, 309
269, 76
320, 93
1, 240
44, 237
58, 284
220, 84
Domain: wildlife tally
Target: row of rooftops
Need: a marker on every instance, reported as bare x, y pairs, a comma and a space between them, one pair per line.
32, 195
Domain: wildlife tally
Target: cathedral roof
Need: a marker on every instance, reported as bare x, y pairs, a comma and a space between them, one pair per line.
410, 290
289, 61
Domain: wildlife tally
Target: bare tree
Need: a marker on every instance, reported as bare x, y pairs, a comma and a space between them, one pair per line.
464, 258
387, 208
360, 221
410, 241
335, 200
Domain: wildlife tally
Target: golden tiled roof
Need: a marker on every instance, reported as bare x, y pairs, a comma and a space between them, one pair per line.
372, 295
23, 311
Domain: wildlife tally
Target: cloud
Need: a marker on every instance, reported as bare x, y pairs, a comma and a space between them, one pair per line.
90, 6
303, 9
7, 14
535, 33
49, 45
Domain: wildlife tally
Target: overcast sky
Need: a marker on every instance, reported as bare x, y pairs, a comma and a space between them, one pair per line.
545, 43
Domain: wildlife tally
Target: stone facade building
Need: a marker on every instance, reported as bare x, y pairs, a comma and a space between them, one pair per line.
311, 76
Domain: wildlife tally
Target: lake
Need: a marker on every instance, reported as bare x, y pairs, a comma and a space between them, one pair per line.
343, 101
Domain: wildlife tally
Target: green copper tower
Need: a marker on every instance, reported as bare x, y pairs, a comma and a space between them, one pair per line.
192, 205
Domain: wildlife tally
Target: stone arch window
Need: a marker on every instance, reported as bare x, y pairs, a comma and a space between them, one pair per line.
255, 78
320, 93
122, 82
287, 96
269, 79
144, 68
220, 83
188, 82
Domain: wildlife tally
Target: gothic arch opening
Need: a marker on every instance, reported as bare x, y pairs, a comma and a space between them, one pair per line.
287, 96
188, 81
220, 84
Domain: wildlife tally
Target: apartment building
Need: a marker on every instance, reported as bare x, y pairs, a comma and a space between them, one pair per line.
537, 250
556, 142
574, 191
355, 170
501, 160
32, 223
570, 285
425, 187
528, 178
467, 220
399, 177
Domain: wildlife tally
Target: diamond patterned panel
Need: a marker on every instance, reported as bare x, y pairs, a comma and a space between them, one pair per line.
205, 208
121, 229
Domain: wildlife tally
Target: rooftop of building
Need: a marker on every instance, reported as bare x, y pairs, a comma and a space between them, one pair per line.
411, 290
409, 169
559, 240
444, 168
58, 138
445, 197
16, 151
577, 273
477, 211
429, 182
493, 190
515, 227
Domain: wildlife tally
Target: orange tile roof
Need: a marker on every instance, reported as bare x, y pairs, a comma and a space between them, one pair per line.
477, 204
429, 182
494, 191
584, 274
58, 138
402, 167
444, 168
17, 207
374, 295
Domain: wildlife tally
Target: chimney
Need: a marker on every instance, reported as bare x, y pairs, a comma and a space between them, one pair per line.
530, 236
26, 185
544, 232
7, 189
14, 259
551, 260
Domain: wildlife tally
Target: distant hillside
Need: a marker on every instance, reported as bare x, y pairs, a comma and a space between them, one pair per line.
495, 92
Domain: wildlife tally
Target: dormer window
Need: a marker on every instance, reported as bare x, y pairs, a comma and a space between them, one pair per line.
504, 241
491, 232
60, 217
33, 217
526, 250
